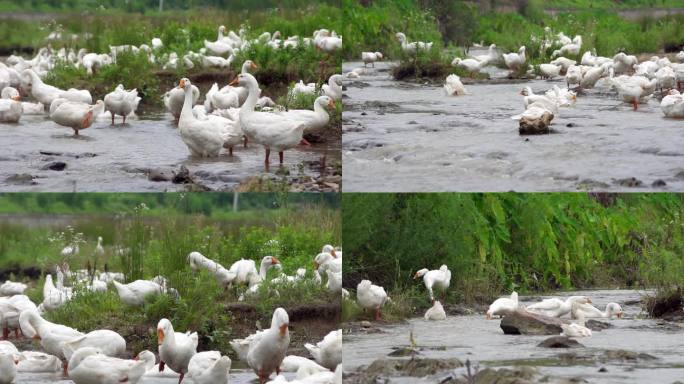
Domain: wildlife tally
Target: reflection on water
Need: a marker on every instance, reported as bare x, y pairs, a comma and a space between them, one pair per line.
236, 376
408, 137
483, 342
115, 158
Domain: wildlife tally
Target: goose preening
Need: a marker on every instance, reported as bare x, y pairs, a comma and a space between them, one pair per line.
175, 348
556, 307
274, 132
370, 296
11, 108
223, 276
672, 105
38, 362
438, 278
265, 350
585, 309
503, 306
334, 283
327, 352
246, 273
205, 137
453, 86
89, 365
436, 312
577, 329
334, 87
370, 57
121, 102
74, 114
209, 367
491, 56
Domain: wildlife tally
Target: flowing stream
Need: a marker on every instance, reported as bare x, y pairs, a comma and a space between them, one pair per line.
484, 344
411, 137
118, 158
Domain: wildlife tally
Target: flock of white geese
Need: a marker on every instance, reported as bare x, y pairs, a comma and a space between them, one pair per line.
96, 357
374, 297
634, 82
230, 115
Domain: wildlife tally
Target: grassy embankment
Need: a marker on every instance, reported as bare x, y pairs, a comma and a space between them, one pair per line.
158, 244
180, 32
496, 243
601, 28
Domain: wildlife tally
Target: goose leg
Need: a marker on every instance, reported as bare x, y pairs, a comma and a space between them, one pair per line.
268, 154
180, 379
16, 333
635, 104
112, 118
5, 333
245, 145
281, 155
377, 314
161, 366
124, 119
230, 151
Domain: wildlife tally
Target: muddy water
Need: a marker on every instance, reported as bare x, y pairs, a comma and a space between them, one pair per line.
116, 158
407, 137
483, 342
236, 376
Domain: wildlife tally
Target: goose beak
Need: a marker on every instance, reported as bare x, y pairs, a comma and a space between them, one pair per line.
415, 276
160, 336
16, 98
36, 337
181, 83
333, 251
275, 261
234, 82
283, 330
331, 104
253, 66
136, 358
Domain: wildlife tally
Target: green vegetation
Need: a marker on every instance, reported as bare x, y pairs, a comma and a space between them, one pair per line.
494, 243
159, 245
151, 5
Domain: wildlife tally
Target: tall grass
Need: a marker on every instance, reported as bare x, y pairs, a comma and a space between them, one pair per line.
494, 243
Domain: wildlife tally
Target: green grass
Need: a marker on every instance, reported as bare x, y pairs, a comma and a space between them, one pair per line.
494, 243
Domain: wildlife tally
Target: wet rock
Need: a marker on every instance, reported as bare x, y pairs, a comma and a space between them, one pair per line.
403, 352
412, 122
522, 375
85, 155
591, 184
680, 175
522, 322
659, 183
603, 369
621, 354
629, 182
159, 175
535, 126
560, 342
182, 176
596, 325
366, 324
414, 367
55, 166
570, 125
665, 306
21, 179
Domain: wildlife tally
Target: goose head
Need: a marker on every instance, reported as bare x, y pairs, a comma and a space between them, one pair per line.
321, 259
11, 93
401, 37
80, 355
364, 285
247, 66
514, 296
420, 273
456, 61
614, 309
329, 249
164, 329
326, 101
185, 85
269, 261
245, 80
148, 357
280, 321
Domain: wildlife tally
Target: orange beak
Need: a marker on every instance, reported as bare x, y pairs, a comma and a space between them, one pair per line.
181, 83
331, 104
160, 336
416, 276
283, 329
333, 251
253, 66
234, 82
275, 261
36, 337
136, 358
16, 98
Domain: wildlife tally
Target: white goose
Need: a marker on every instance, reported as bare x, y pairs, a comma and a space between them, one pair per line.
453, 86
8, 368
490, 57
334, 87
438, 278
371, 296
109, 342
46, 94
314, 120
327, 352
175, 348
549, 71
326, 261
503, 306
272, 131
303, 366
412, 47
223, 276
577, 329
175, 98
370, 57
121, 102
672, 105
470, 65
11, 108
580, 309
10, 288
53, 297
209, 368
151, 366
89, 366
10, 310
205, 138
246, 273
555, 307
515, 61
38, 362
265, 350
220, 46
136, 292
436, 312
73, 114
334, 283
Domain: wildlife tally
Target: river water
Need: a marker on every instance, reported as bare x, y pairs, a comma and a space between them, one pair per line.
483, 342
410, 137
116, 158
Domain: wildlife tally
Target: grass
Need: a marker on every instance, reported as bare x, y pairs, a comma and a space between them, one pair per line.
494, 243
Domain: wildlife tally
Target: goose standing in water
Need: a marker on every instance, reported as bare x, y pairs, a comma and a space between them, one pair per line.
371, 296
121, 102
11, 108
436, 312
438, 278
74, 114
175, 348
